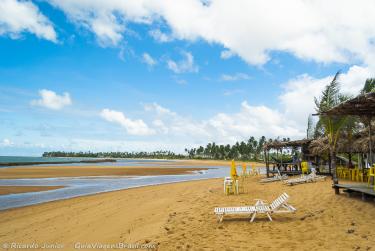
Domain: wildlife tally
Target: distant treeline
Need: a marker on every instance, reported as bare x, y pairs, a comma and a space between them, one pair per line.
251, 149
130, 155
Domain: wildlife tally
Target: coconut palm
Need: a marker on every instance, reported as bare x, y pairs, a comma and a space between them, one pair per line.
331, 126
369, 86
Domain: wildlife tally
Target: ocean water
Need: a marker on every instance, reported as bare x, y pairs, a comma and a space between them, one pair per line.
120, 162
80, 186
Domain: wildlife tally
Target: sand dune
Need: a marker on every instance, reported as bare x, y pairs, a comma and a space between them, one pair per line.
180, 217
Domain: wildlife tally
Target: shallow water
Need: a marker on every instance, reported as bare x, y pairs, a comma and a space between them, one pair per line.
80, 186
119, 162
91, 185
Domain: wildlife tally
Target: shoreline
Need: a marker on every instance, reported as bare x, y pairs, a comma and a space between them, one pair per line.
180, 216
91, 171
7, 190
36, 163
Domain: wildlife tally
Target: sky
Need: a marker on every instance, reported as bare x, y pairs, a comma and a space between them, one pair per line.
132, 75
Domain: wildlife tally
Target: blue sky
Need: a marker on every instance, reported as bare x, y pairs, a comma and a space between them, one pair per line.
123, 75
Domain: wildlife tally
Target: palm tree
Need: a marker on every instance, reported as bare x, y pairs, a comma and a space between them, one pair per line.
331, 125
369, 86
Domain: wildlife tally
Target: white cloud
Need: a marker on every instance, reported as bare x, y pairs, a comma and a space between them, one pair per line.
51, 100
106, 19
184, 65
155, 107
311, 30
295, 103
147, 59
234, 77
297, 99
232, 92
6, 143
133, 127
160, 36
17, 17
222, 127
226, 54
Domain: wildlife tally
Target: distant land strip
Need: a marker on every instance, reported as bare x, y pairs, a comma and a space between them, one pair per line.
55, 162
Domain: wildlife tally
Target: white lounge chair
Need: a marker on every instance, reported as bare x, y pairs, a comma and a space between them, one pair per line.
312, 177
299, 180
279, 205
276, 177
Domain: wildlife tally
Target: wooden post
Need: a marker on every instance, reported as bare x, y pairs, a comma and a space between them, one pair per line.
369, 142
267, 162
281, 165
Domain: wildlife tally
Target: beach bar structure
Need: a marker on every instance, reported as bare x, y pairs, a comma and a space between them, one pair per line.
289, 168
362, 106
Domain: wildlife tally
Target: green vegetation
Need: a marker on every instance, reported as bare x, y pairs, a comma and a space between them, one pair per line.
337, 127
330, 126
251, 149
132, 155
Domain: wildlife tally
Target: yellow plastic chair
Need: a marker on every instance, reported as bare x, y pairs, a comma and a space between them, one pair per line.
304, 167
353, 174
345, 173
339, 172
244, 172
371, 177
360, 175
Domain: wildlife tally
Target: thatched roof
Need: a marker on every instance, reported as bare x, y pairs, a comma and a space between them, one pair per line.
283, 144
319, 146
362, 144
358, 144
362, 105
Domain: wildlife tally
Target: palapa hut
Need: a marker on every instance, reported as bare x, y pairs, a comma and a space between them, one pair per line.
362, 106
290, 167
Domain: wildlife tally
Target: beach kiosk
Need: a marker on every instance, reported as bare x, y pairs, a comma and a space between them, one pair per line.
362, 106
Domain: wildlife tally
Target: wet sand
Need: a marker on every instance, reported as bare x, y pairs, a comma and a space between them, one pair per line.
85, 171
180, 217
25, 189
163, 168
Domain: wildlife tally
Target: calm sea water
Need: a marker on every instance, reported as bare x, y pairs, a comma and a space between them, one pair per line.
80, 186
120, 162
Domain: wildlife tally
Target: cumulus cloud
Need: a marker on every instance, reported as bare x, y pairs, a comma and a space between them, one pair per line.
159, 36
183, 66
49, 99
311, 30
289, 119
297, 98
133, 127
223, 127
6, 143
232, 92
234, 77
226, 54
17, 17
147, 59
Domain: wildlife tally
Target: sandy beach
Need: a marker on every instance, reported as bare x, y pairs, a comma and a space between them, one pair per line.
87, 171
25, 189
180, 217
162, 168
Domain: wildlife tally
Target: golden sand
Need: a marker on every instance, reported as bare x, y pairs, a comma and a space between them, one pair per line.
79, 171
180, 217
25, 189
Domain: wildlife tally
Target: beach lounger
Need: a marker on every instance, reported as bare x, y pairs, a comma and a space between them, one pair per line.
277, 177
279, 205
312, 177
300, 180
